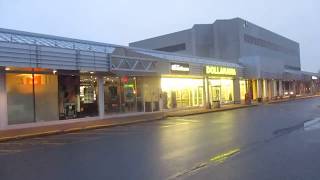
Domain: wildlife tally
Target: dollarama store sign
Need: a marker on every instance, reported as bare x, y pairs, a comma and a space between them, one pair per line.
219, 70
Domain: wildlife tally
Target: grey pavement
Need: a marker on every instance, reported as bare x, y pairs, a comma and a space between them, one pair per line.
270, 138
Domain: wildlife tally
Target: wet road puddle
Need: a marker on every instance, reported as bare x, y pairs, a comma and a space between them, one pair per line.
308, 125
312, 124
174, 124
179, 122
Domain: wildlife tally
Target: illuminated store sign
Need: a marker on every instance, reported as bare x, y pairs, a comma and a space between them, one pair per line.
314, 77
219, 70
177, 67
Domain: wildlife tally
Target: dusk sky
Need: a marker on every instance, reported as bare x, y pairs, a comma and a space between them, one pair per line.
124, 21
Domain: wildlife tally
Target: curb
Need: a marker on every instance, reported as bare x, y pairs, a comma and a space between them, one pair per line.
212, 111
292, 99
77, 129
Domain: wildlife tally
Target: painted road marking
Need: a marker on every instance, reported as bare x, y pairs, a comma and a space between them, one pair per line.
217, 159
189, 171
224, 156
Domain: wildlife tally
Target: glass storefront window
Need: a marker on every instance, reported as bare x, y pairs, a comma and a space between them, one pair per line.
78, 96
129, 94
112, 96
31, 97
69, 105
20, 98
88, 96
181, 92
149, 98
221, 90
46, 97
34, 97
120, 94
243, 89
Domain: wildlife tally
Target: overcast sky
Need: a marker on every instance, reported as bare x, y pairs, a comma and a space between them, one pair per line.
124, 21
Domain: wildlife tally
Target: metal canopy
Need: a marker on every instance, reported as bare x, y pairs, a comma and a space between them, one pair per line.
14, 36
25, 49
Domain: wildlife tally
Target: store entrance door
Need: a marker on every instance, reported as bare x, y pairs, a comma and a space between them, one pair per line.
216, 93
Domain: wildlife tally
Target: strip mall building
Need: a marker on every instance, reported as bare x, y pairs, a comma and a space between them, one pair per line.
46, 78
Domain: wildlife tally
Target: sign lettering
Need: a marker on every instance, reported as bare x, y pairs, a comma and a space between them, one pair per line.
219, 70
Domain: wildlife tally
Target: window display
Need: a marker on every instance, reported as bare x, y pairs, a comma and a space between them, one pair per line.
31, 97
221, 90
120, 94
68, 96
188, 92
88, 96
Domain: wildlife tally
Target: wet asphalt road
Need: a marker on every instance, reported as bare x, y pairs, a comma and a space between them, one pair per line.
268, 142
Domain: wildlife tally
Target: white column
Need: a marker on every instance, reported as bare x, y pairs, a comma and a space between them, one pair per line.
280, 88
236, 91
259, 89
265, 89
3, 100
206, 92
294, 89
269, 89
275, 92
100, 83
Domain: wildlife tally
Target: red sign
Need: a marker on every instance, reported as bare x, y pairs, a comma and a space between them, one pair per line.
124, 79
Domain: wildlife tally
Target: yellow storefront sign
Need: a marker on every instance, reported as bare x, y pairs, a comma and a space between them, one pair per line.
219, 70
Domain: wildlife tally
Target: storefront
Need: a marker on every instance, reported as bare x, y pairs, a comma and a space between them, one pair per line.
32, 95
181, 89
35, 95
120, 94
220, 84
184, 91
244, 86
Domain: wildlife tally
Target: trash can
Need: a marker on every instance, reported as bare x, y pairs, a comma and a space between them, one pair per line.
247, 99
216, 104
259, 100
